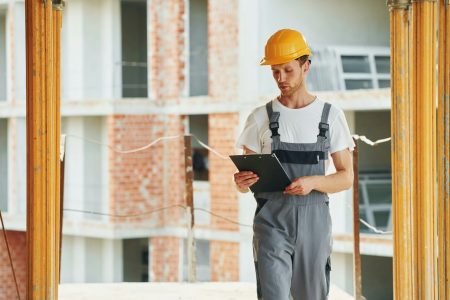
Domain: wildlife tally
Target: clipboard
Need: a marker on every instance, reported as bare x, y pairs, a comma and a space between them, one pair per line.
272, 176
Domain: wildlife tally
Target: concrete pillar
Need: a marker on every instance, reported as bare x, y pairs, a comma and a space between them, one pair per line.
112, 260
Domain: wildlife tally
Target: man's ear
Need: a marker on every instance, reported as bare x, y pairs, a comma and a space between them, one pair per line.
306, 66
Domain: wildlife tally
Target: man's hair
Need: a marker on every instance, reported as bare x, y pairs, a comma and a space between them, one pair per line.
303, 59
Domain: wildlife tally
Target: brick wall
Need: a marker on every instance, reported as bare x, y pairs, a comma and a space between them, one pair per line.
166, 54
166, 50
165, 259
224, 261
224, 201
223, 63
223, 59
149, 179
17, 244
134, 181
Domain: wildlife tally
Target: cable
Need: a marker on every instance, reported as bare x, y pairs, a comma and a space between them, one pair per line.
128, 215
156, 210
222, 217
365, 223
364, 139
357, 137
9, 254
210, 149
374, 229
125, 151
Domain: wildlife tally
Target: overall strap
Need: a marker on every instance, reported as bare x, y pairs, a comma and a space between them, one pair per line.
323, 125
273, 119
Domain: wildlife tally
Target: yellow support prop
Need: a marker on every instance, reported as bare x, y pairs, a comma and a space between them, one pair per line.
43, 129
423, 96
443, 150
402, 169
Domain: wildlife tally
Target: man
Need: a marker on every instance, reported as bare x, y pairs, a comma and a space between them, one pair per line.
292, 228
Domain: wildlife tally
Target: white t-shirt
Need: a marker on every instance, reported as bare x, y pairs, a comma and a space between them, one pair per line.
299, 125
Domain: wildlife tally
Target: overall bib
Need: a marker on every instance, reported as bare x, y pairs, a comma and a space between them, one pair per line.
292, 233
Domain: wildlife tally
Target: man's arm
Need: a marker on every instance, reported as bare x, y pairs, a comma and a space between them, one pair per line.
333, 183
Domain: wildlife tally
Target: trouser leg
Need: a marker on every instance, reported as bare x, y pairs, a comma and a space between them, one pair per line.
273, 244
275, 271
310, 275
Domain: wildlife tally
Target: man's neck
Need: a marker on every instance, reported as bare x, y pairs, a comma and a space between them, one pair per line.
299, 99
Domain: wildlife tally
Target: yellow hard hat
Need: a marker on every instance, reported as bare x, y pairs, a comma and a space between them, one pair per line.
283, 46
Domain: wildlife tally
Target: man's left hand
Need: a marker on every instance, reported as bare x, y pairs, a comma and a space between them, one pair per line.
301, 186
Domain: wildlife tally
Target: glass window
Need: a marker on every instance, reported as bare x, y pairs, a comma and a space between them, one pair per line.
134, 49
379, 193
375, 199
198, 126
355, 84
384, 83
198, 47
382, 64
355, 64
382, 218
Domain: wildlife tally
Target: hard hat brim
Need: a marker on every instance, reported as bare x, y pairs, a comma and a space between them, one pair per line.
284, 59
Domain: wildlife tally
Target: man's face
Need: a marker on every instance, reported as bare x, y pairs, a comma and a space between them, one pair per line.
289, 76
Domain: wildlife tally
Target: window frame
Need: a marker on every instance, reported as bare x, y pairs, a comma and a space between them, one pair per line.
370, 53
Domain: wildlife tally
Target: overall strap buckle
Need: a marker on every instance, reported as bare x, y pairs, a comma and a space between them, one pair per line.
273, 119
273, 126
323, 128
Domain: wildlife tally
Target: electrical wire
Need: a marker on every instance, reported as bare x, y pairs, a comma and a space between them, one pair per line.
217, 153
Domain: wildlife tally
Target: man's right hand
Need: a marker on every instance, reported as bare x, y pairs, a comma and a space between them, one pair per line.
245, 179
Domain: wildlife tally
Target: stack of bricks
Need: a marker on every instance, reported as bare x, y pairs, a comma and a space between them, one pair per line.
17, 246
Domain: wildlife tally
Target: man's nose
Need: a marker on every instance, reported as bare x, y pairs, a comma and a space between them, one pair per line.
281, 77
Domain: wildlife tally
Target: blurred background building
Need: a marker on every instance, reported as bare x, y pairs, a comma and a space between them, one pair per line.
133, 71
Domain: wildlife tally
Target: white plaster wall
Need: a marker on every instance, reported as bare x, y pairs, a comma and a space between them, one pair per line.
67, 259
74, 166
112, 259
72, 54
78, 265
342, 271
2, 55
112, 52
90, 50
93, 167
341, 203
18, 84
91, 260
247, 206
249, 47
20, 166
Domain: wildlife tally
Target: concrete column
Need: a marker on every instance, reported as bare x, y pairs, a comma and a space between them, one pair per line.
74, 183
112, 259
249, 52
72, 52
79, 259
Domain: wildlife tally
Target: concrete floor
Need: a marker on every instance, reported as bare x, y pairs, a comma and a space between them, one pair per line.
168, 291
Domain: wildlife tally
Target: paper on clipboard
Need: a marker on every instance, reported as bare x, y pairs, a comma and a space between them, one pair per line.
272, 176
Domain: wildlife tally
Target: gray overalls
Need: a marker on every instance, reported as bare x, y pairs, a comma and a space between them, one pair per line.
292, 233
